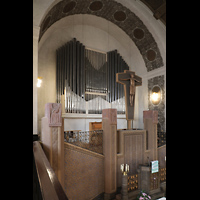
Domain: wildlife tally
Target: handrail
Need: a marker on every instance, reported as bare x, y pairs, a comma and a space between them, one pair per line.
51, 188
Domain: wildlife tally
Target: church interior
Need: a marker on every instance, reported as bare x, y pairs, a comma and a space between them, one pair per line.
99, 99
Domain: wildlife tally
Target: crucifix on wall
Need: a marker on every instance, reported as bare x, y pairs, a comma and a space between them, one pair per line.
130, 81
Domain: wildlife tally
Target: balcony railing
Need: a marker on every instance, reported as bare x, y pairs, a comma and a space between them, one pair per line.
91, 140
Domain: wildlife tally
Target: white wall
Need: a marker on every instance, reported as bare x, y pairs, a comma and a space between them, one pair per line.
35, 75
82, 124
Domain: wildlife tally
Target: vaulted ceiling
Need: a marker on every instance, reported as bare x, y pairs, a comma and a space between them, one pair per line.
119, 15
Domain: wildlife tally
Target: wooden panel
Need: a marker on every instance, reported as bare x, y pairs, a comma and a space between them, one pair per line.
95, 126
133, 151
139, 150
134, 154
128, 151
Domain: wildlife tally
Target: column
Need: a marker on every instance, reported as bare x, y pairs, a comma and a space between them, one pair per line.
124, 191
150, 120
124, 187
36, 31
109, 126
52, 138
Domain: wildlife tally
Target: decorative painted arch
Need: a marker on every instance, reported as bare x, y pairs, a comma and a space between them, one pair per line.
115, 13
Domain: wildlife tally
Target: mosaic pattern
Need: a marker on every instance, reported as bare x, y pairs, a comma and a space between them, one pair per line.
115, 13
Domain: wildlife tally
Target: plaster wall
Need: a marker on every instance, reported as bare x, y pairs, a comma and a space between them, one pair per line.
82, 124
35, 75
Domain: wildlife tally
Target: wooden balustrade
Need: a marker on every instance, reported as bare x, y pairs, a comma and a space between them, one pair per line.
50, 186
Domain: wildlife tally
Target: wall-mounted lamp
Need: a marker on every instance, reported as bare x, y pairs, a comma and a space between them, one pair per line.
156, 95
39, 81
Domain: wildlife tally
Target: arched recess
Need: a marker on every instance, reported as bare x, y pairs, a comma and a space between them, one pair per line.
115, 13
94, 32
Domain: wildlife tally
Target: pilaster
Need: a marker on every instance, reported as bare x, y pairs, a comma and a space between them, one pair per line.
52, 138
36, 30
150, 119
109, 126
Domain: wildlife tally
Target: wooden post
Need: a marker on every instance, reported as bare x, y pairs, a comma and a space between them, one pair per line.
150, 119
124, 170
109, 127
129, 124
125, 187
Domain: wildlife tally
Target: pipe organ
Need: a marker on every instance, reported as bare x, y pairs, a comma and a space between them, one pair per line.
86, 76
115, 90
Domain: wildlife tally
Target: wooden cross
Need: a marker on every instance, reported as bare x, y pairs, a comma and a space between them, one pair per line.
130, 81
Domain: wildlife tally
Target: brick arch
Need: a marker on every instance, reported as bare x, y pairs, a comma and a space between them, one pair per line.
115, 13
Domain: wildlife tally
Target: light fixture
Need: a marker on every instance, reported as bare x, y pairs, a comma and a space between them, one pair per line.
156, 95
39, 81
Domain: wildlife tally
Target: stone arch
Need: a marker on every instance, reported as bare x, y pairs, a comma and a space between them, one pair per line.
115, 13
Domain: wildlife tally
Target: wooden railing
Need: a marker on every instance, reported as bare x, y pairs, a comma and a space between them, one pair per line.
50, 186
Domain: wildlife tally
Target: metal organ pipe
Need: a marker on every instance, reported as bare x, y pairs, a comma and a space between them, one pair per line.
88, 75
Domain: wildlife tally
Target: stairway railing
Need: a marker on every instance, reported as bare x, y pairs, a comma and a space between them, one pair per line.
50, 186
